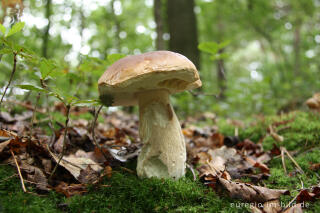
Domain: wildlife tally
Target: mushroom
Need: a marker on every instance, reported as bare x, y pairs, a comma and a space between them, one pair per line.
314, 102
147, 80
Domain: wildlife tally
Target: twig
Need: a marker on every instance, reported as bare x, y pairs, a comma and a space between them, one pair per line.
19, 172
283, 162
64, 141
93, 133
289, 204
193, 173
11, 77
291, 158
7, 178
32, 119
127, 170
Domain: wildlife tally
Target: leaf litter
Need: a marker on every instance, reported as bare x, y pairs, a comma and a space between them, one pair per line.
222, 161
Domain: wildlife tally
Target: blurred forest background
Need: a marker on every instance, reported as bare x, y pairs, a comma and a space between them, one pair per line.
254, 56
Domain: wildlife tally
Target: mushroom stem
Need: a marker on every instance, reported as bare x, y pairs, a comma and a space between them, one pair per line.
163, 153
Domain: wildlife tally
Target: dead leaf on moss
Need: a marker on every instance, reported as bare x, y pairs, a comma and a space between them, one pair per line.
70, 190
251, 193
315, 166
297, 208
75, 164
272, 206
88, 175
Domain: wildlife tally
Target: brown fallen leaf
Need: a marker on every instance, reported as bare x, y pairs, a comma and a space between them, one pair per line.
305, 195
251, 193
315, 166
88, 175
70, 190
3, 145
75, 164
272, 206
263, 167
297, 208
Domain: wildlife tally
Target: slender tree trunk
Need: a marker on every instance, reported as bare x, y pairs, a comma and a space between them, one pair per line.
296, 46
157, 12
182, 26
221, 70
45, 43
117, 27
222, 81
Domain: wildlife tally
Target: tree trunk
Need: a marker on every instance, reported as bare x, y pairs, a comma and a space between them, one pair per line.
117, 27
296, 46
45, 43
221, 76
221, 71
182, 26
157, 12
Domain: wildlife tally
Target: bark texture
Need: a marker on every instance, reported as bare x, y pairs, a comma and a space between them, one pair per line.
182, 26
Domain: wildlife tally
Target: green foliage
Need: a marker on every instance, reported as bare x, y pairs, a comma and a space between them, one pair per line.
15, 29
214, 49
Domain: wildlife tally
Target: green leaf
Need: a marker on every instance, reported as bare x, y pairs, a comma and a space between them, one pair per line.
115, 57
57, 95
16, 28
87, 103
31, 88
6, 51
3, 29
223, 44
47, 67
209, 47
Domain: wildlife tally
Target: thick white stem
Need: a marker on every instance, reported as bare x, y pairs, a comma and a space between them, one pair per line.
163, 154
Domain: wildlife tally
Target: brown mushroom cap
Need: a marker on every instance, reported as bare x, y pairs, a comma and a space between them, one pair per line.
149, 71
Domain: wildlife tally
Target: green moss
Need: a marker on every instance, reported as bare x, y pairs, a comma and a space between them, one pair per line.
127, 193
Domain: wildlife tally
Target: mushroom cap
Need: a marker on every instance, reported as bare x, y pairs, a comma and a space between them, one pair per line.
133, 74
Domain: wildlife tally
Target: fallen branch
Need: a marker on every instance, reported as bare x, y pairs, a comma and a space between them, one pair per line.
291, 158
283, 162
19, 172
93, 133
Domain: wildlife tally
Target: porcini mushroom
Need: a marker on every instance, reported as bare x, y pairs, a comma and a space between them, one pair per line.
147, 80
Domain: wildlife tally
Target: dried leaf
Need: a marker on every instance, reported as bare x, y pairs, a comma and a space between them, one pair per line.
70, 190
272, 206
88, 175
297, 208
75, 164
250, 192
314, 167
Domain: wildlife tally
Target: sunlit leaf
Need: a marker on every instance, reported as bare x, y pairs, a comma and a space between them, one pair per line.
31, 88
209, 47
3, 29
87, 103
16, 28
5, 51
223, 44
47, 68
115, 57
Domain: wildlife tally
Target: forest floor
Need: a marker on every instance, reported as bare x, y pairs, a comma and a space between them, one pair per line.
289, 144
